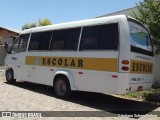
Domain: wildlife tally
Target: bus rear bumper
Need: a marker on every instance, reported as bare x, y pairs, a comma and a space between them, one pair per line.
139, 86
126, 83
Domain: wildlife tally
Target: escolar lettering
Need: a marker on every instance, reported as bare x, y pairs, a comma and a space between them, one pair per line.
141, 67
62, 62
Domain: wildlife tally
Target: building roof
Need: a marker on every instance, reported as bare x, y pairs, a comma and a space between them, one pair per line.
12, 30
125, 12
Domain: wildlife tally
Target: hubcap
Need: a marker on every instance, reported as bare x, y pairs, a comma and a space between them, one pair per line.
61, 87
9, 76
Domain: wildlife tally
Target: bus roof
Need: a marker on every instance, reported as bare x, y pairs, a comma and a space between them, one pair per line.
74, 24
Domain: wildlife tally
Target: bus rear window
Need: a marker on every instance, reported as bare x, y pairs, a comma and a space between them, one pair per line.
139, 36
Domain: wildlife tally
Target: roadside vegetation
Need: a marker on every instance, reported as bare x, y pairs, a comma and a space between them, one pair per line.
41, 22
151, 95
0, 40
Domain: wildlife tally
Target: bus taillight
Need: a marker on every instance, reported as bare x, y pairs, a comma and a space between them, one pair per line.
125, 68
125, 62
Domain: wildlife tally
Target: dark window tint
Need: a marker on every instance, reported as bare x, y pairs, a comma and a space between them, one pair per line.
58, 39
45, 40
90, 38
40, 41
72, 38
20, 44
35, 41
103, 37
109, 37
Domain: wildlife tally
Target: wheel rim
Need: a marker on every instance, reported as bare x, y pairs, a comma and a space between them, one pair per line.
60, 87
9, 76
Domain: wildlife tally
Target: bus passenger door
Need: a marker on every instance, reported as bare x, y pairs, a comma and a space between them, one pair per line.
16, 58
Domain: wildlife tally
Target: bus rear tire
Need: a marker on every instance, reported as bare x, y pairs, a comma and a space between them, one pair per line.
10, 76
62, 87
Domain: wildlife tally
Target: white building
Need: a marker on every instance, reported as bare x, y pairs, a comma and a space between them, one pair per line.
125, 12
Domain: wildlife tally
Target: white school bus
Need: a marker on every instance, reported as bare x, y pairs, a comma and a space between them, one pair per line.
110, 55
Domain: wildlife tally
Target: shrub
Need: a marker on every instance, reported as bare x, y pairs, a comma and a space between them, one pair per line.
0, 40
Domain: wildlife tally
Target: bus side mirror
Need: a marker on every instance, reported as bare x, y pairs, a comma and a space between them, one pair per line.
6, 47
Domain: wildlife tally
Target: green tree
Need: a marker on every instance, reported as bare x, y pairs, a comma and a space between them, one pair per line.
32, 25
45, 22
27, 26
149, 14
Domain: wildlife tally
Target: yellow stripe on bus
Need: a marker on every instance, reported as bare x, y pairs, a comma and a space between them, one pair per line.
99, 64
141, 67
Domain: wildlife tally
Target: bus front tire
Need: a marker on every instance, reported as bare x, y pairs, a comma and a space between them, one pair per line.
10, 76
62, 87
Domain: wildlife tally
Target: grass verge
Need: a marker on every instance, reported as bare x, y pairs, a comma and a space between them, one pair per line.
151, 95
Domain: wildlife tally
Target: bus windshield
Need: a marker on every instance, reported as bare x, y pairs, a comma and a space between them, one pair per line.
139, 36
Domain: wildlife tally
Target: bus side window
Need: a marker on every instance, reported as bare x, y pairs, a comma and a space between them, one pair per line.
34, 42
40, 41
109, 37
102, 37
65, 39
90, 38
58, 39
72, 38
45, 40
21, 44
